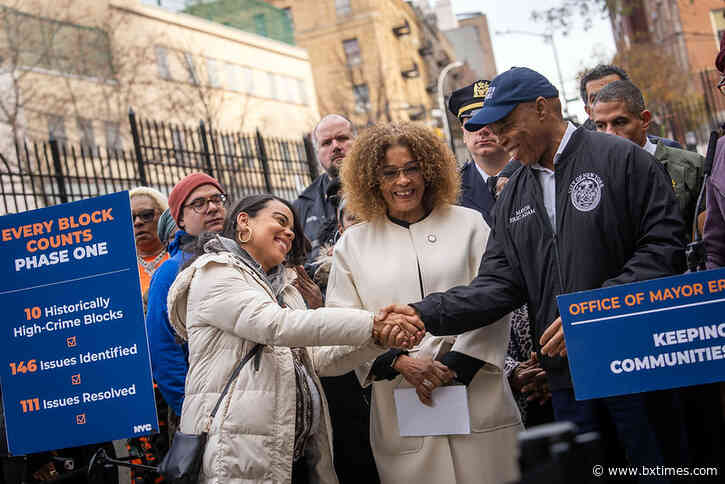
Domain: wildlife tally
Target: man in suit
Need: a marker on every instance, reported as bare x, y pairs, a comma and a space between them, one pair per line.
478, 175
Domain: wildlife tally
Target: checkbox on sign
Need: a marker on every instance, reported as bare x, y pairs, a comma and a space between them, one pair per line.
71, 342
76, 379
81, 419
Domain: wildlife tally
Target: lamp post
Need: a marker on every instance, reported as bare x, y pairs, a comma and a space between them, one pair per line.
442, 103
550, 39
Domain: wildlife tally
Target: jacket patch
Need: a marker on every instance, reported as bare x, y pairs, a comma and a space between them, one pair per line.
586, 191
521, 213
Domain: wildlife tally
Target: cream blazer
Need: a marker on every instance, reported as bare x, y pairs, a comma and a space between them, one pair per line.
223, 307
376, 264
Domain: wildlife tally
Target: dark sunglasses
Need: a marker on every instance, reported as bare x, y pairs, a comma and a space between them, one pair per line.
145, 215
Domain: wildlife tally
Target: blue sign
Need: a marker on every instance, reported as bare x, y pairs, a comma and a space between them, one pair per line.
74, 358
652, 335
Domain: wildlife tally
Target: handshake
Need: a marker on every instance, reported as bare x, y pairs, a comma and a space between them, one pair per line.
398, 326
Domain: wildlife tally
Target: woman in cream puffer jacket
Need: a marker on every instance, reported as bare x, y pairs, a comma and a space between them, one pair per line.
224, 303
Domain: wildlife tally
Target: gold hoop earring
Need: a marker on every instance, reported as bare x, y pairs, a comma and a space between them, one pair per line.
242, 240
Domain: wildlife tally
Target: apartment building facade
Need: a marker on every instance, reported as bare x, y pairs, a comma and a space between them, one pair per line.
72, 69
372, 60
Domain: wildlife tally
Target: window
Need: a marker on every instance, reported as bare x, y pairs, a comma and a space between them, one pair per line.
352, 52
286, 87
162, 62
33, 42
88, 139
342, 7
362, 97
302, 89
239, 79
247, 80
260, 24
56, 128
232, 77
113, 135
191, 68
212, 72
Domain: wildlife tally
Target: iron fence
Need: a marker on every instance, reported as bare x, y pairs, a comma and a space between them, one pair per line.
45, 173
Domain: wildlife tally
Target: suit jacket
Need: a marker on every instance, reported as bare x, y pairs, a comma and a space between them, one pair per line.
475, 193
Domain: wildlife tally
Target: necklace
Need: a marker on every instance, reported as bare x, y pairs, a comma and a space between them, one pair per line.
150, 267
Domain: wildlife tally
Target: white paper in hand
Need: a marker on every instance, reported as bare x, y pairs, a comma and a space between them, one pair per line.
448, 416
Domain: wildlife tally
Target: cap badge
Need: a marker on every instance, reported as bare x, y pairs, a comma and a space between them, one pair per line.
480, 89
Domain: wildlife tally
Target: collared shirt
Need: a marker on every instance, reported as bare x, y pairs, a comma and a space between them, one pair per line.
483, 173
649, 146
547, 179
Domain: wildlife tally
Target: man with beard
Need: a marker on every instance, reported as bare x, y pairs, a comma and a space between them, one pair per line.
317, 205
198, 204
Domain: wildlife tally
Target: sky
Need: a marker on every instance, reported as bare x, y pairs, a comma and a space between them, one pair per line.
577, 50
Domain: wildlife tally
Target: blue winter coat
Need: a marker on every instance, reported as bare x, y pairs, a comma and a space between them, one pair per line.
169, 358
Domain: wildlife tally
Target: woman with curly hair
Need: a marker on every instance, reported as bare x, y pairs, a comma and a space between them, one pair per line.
402, 181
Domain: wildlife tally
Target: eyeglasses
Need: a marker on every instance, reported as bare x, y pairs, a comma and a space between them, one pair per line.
391, 174
145, 215
199, 205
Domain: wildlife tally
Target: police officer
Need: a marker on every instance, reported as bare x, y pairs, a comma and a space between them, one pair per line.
478, 175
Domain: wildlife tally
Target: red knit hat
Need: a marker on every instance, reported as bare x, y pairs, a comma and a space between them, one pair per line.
183, 189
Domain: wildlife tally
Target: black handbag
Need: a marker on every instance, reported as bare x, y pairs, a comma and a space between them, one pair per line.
182, 463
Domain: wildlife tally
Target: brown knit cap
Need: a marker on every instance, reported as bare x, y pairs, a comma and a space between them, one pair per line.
183, 189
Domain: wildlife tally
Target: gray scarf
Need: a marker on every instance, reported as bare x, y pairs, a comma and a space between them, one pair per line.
275, 277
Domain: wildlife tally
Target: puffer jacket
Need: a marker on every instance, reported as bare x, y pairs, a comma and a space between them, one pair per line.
223, 307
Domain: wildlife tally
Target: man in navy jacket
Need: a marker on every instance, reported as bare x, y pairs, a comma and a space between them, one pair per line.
586, 210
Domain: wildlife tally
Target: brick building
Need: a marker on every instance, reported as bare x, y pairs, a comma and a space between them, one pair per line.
688, 31
371, 59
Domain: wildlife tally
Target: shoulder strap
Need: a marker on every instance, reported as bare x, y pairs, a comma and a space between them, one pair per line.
234, 375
